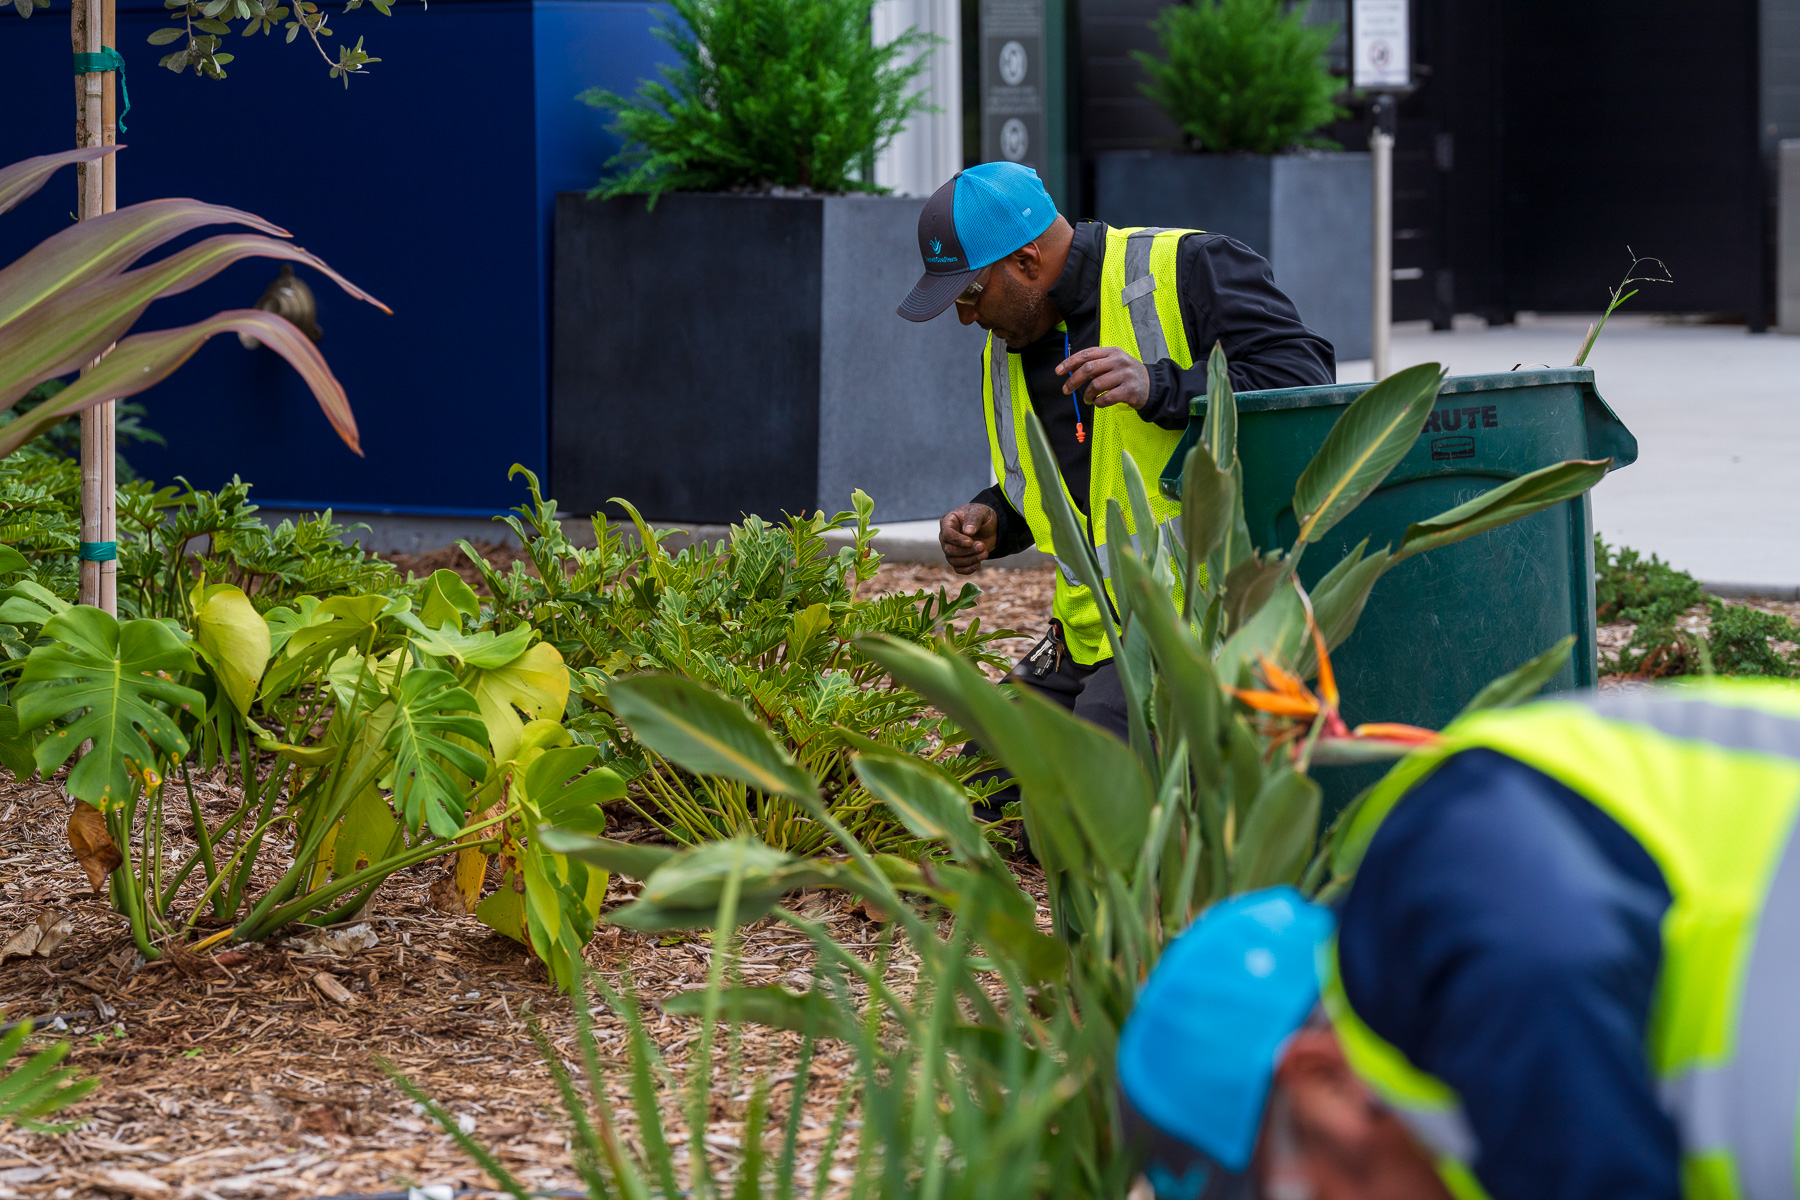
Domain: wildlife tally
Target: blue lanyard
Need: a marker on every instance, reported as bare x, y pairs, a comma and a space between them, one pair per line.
1074, 395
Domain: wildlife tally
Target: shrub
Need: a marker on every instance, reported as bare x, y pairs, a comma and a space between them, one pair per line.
768, 93
1742, 641
1243, 76
768, 617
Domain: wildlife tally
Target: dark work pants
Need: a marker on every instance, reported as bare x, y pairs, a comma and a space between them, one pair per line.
1091, 693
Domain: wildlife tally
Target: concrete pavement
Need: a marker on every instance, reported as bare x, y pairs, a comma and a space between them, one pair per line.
1716, 411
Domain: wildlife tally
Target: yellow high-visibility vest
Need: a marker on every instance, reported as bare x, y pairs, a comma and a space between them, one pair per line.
1140, 314
1707, 778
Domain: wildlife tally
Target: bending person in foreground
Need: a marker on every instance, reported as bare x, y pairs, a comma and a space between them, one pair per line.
1567, 968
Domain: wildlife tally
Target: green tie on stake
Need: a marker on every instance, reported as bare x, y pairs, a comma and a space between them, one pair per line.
107, 60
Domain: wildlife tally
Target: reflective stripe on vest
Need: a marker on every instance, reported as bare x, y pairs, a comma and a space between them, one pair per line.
1707, 778
1139, 313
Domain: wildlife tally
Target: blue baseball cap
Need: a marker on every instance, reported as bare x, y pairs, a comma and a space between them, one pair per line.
982, 215
1198, 1054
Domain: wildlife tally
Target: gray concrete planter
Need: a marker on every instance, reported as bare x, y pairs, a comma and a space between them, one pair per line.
1309, 214
727, 354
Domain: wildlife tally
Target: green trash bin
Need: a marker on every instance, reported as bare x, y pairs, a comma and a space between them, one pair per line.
1441, 625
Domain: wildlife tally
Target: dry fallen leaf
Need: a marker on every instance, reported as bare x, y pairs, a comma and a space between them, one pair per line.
360, 936
92, 844
42, 937
132, 1183
56, 929
332, 989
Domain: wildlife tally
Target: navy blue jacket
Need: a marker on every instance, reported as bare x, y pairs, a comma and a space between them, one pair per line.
1505, 935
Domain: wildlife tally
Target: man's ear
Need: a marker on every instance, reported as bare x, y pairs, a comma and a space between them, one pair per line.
1028, 261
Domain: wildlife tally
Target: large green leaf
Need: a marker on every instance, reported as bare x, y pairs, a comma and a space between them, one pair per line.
1373, 434
1277, 838
1187, 676
566, 793
1207, 496
146, 359
701, 730
1512, 500
1074, 549
234, 640
432, 772
112, 677
1087, 778
483, 649
15, 747
1218, 433
929, 805
340, 624
536, 682
446, 599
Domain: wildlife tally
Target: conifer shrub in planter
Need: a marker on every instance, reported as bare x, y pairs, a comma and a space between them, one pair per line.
725, 338
1246, 83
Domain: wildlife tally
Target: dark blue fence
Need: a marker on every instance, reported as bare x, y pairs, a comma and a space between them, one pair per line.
430, 182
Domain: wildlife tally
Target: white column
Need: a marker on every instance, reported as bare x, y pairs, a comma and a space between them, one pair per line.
928, 150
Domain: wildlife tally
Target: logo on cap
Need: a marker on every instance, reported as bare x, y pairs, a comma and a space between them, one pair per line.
937, 254
937, 247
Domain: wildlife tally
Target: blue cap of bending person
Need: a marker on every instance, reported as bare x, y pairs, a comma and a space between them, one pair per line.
1198, 1054
979, 217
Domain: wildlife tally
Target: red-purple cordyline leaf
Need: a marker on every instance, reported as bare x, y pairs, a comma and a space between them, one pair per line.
21, 179
106, 245
146, 359
74, 327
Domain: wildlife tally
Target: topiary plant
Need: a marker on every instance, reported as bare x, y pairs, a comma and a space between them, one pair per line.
768, 93
1243, 76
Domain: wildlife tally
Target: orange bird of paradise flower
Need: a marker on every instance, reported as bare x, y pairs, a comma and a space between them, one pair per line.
1292, 710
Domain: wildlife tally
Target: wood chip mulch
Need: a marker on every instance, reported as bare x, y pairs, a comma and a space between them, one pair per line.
253, 1072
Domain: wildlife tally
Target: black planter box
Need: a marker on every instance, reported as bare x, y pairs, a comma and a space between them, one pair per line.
1310, 214
722, 355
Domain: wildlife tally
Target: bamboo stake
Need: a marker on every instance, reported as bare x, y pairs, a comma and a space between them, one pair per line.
95, 125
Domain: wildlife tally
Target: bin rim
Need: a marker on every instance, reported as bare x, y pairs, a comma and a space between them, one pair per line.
1324, 395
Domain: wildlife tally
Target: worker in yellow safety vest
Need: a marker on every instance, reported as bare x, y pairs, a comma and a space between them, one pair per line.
1104, 333
1567, 967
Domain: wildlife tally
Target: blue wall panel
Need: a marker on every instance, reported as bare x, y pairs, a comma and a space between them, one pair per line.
430, 182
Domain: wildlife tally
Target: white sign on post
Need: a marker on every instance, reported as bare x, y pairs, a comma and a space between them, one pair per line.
1381, 52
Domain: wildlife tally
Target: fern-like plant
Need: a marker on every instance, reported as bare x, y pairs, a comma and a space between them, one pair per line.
1244, 76
767, 93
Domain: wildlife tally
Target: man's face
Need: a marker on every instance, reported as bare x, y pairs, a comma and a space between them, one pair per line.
1335, 1141
1009, 305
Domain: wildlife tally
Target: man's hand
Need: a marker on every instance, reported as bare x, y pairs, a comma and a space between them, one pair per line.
968, 536
1110, 375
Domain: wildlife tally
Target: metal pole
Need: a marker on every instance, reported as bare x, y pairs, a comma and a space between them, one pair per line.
96, 125
1381, 152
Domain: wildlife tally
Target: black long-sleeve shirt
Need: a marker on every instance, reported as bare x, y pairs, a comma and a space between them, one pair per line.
1227, 295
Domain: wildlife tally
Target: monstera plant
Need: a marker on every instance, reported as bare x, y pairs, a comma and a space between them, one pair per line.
80, 291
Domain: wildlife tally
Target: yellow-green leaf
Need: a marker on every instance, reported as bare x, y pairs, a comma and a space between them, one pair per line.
536, 682
234, 640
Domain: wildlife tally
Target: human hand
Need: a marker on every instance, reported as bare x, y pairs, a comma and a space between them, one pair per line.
968, 535
1115, 377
